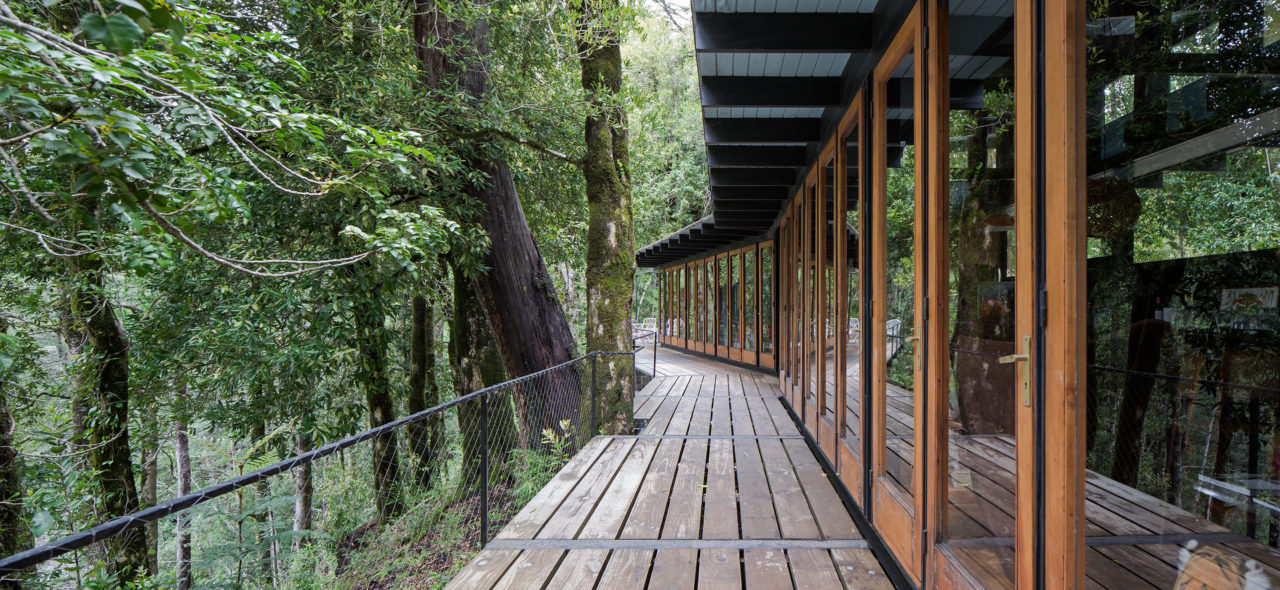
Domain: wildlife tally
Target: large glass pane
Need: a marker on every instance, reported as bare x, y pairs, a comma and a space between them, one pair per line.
852, 434
722, 301
899, 278
981, 483
797, 292
813, 286
1183, 266
750, 329
735, 300
827, 335
766, 299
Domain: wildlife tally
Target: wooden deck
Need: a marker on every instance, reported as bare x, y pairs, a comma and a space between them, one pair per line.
718, 491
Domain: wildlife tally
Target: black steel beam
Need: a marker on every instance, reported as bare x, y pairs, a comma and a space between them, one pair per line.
748, 193
770, 91
761, 130
752, 177
770, 207
781, 33
964, 93
721, 156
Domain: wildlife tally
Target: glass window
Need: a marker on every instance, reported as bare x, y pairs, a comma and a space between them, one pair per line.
735, 300
852, 435
827, 329
766, 299
722, 300
982, 401
751, 330
899, 280
1183, 333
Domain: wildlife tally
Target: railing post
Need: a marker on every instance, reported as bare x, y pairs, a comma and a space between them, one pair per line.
484, 471
654, 374
593, 396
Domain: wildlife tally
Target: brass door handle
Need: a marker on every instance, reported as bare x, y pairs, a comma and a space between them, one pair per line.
1026, 371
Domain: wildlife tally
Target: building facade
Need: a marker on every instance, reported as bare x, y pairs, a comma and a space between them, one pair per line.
1016, 265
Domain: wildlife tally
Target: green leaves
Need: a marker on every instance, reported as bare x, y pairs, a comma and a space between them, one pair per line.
117, 31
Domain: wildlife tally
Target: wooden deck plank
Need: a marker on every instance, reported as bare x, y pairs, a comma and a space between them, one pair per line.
606, 522
795, 519
700, 422
627, 569
766, 569
859, 569
720, 520
534, 515
530, 570
573, 512
650, 507
743, 425
674, 568
813, 568
832, 517
759, 517
684, 509
719, 568
484, 570
580, 568
721, 423
759, 413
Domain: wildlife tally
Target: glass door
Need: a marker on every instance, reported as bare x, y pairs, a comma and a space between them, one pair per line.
849, 403
898, 211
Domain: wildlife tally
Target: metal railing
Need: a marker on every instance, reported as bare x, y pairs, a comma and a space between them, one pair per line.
487, 444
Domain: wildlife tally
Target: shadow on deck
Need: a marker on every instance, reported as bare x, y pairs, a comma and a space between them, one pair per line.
719, 490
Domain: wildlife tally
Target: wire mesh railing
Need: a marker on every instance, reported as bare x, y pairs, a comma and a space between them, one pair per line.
459, 471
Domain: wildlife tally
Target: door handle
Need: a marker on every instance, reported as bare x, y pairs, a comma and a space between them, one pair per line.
914, 341
1026, 370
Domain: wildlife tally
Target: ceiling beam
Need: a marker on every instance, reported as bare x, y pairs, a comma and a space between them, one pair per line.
772, 207
770, 91
749, 193
752, 177
719, 156
782, 33
761, 130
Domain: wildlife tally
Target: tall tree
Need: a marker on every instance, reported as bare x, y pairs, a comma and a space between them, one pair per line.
476, 364
611, 264
426, 438
517, 292
12, 530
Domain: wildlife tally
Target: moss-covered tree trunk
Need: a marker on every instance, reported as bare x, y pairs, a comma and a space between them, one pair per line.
182, 452
517, 293
476, 364
103, 378
13, 537
426, 438
371, 343
610, 235
302, 503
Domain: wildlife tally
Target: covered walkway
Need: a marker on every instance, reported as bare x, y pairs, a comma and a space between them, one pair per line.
719, 490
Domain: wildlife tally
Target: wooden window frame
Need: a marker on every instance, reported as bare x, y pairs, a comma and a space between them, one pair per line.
849, 466
897, 518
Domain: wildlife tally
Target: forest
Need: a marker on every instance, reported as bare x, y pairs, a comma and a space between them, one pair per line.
236, 232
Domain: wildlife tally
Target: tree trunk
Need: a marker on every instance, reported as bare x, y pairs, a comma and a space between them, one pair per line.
183, 451
371, 342
426, 438
150, 457
523, 309
257, 432
13, 537
611, 265
517, 293
476, 364
302, 504
103, 376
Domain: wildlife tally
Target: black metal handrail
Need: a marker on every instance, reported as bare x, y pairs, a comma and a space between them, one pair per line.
24, 560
